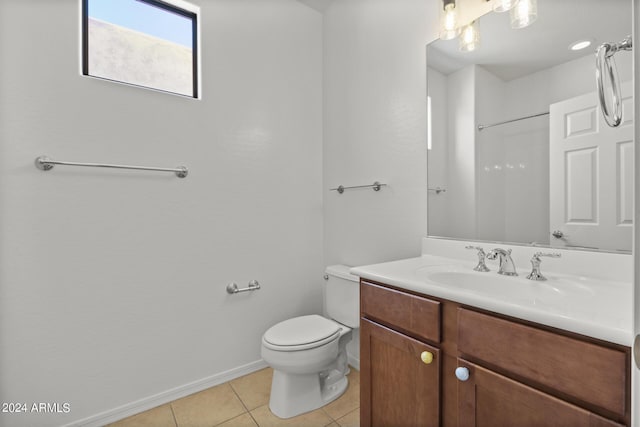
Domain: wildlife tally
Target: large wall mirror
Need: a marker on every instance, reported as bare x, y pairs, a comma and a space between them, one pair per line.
518, 148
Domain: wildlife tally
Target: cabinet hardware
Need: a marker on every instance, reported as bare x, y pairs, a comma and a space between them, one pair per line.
462, 373
426, 357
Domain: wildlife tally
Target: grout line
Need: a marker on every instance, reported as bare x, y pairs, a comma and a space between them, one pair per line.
175, 420
327, 414
332, 421
253, 418
241, 402
239, 398
247, 411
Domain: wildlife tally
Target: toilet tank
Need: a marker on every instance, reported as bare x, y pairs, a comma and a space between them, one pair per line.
342, 295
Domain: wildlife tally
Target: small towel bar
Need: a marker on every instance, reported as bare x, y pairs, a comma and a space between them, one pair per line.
376, 187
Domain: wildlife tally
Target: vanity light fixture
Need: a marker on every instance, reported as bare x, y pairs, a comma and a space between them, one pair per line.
524, 13
449, 28
470, 37
503, 5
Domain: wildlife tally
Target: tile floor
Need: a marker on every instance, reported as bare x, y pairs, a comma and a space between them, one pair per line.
243, 402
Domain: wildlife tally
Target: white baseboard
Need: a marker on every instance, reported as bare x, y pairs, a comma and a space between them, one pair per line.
150, 402
353, 362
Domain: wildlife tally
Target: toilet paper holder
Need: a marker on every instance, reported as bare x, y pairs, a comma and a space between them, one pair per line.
232, 288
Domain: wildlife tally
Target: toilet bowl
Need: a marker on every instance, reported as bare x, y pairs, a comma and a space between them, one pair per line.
308, 353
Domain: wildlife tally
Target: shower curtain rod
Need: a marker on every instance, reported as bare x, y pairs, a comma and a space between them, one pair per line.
480, 127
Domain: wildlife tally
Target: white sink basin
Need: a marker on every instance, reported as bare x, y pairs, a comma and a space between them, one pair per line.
587, 305
564, 292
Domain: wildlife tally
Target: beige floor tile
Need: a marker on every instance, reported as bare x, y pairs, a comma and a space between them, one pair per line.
254, 389
162, 416
244, 420
352, 419
349, 401
265, 418
208, 408
334, 424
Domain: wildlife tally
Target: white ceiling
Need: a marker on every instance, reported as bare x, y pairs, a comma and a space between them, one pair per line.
319, 5
510, 53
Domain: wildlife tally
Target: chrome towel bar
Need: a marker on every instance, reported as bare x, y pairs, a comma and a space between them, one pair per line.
232, 288
44, 163
376, 187
481, 127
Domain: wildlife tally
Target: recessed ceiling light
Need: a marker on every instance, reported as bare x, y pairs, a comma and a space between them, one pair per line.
580, 44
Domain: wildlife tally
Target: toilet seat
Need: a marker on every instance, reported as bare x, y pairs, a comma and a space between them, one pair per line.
301, 333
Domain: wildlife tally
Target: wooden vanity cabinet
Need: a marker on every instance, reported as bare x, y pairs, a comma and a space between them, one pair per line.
520, 374
399, 370
488, 399
399, 388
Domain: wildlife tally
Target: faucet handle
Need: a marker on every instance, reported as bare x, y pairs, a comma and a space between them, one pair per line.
547, 254
481, 256
535, 264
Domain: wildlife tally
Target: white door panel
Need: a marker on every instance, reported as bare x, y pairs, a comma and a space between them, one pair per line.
591, 175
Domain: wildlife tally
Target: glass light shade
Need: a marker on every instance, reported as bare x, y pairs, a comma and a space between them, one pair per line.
449, 28
524, 14
470, 37
503, 5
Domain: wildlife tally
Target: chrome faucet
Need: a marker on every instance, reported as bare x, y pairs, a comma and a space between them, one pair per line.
535, 264
506, 263
481, 256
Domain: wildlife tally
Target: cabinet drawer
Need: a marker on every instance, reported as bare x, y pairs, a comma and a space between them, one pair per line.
589, 372
490, 399
415, 315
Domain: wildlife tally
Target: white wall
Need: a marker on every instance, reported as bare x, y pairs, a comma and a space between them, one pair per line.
112, 283
375, 129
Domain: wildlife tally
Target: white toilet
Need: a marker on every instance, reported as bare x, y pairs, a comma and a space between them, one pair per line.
308, 353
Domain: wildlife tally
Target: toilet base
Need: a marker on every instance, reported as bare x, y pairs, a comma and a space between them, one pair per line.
295, 394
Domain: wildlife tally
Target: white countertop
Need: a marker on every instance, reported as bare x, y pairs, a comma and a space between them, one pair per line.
596, 307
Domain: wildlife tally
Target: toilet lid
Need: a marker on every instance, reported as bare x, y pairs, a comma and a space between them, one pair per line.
301, 331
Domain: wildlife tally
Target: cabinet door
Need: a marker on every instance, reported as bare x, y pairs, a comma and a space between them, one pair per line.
398, 388
487, 399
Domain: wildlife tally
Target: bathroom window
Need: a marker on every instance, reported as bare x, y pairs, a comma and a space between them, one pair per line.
148, 43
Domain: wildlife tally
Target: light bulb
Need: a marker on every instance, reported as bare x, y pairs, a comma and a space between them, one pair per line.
470, 37
503, 5
524, 14
449, 21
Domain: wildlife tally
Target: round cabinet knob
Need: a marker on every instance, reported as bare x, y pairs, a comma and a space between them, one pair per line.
462, 373
426, 357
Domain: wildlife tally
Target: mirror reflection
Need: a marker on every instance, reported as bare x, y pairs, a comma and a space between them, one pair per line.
518, 149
